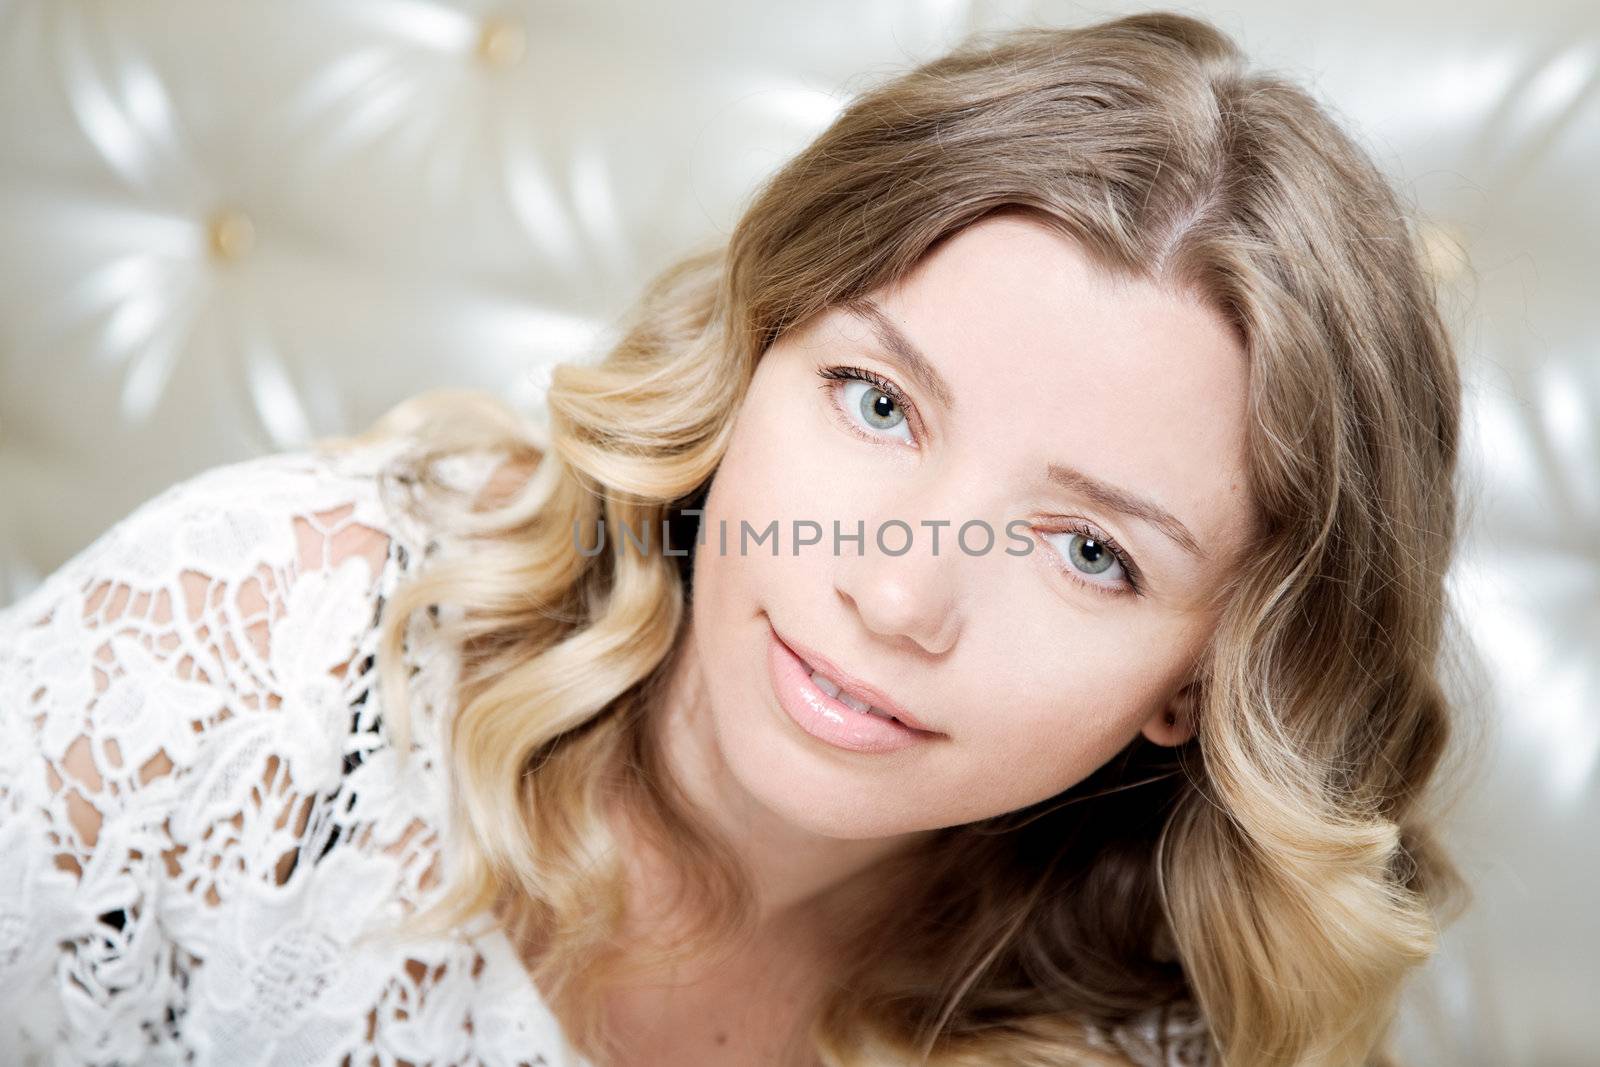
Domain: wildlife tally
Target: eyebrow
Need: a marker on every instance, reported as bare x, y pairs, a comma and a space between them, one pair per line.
1120, 500
909, 357
902, 352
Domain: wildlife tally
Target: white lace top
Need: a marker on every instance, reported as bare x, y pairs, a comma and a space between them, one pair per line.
200, 810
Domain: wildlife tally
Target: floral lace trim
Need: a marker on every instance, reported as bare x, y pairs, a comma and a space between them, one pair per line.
1173, 1035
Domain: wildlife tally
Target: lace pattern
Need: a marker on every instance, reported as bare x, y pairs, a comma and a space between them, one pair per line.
200, 812
1171, 1036
198, 808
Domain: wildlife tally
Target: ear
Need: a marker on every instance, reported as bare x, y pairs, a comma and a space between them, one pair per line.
1174, 723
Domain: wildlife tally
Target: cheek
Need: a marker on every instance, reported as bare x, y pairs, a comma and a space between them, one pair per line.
766, 476
783, 466
779, 453
1054, 712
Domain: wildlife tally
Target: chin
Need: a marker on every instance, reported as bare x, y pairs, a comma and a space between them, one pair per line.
821, 792
781, 770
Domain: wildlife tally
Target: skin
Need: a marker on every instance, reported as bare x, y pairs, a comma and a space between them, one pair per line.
1016, 663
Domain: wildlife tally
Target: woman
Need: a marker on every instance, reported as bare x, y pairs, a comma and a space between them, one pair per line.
988, 611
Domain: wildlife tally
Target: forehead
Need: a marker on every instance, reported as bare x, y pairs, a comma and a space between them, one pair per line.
1052, 359
1008, 288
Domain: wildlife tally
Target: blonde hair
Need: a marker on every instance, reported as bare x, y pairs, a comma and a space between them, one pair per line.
1280, 871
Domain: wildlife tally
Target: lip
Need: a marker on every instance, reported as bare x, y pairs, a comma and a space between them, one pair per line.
827, 718
853, 685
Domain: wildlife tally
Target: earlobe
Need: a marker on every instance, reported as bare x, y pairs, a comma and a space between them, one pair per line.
1174, 723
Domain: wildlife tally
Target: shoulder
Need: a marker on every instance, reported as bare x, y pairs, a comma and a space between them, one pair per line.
300, 513
190, 717
222, 523
229, 603
242, 589
228, 620
207, 570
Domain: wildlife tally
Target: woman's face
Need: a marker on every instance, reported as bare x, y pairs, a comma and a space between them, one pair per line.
1033, 669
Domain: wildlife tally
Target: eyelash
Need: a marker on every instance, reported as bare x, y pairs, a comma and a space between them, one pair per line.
1135, 583
833, 375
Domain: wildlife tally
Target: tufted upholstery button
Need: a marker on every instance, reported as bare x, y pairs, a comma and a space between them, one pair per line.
502, 41
231, 234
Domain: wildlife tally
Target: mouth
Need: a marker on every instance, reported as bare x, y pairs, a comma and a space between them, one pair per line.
831, 687
851, 691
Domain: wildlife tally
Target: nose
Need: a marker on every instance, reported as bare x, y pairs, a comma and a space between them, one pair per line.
911, 596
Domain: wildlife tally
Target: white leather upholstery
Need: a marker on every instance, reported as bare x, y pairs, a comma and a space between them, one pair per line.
227, 226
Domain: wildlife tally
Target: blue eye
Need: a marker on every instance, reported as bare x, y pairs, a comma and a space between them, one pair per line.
870, 402
1092, 559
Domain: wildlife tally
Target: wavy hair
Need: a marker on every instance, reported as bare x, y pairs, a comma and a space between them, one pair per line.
1281, 870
